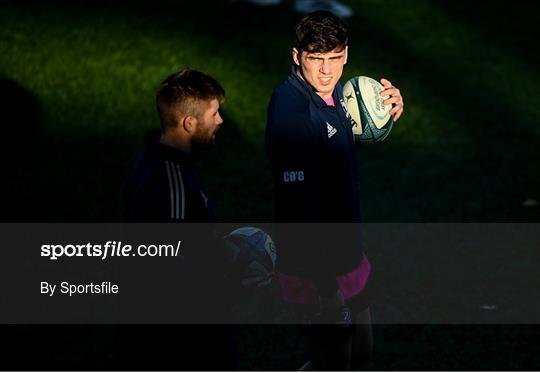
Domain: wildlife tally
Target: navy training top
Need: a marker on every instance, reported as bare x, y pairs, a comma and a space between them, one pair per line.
164, 187
313, 155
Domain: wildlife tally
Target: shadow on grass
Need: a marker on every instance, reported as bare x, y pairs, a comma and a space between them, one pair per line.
19, 153
507, 27
81, 179
485, 179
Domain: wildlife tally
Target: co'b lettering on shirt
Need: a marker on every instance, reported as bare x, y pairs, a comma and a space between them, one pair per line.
293, 176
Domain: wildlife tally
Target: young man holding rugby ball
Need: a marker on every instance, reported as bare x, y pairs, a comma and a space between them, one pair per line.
311, 148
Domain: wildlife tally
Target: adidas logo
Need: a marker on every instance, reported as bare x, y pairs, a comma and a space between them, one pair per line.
331, 130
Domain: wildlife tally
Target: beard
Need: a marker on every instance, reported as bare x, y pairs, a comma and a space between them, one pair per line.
203, 140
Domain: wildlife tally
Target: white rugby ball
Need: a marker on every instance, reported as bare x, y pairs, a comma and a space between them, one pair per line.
364, 106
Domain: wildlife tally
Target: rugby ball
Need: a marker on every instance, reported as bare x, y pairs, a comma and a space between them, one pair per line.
250, 252
364, 106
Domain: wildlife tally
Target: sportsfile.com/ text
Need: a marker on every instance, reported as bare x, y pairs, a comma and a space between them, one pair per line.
110, 249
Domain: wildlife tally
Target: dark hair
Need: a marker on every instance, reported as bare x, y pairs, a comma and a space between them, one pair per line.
185, 93
321, 32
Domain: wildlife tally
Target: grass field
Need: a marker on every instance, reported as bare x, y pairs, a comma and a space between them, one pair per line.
77, 80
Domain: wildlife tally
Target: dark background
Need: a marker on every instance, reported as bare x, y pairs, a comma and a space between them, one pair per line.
77, 81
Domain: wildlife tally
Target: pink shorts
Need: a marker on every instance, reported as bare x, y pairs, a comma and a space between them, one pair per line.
302, 290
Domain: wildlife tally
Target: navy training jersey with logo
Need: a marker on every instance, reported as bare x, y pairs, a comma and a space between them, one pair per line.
311, 148
313, 156
164, 187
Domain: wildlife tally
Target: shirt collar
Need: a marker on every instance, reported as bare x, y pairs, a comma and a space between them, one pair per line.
164, 151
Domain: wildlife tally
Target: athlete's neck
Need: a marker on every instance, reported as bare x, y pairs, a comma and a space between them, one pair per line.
170, 138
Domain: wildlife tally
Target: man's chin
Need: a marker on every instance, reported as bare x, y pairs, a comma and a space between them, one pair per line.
325, 89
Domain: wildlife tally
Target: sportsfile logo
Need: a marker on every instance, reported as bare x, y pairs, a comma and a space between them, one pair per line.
331, 130
110, 249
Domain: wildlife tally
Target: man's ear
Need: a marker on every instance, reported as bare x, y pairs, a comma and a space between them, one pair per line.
189, 123
296, 56
346, 54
